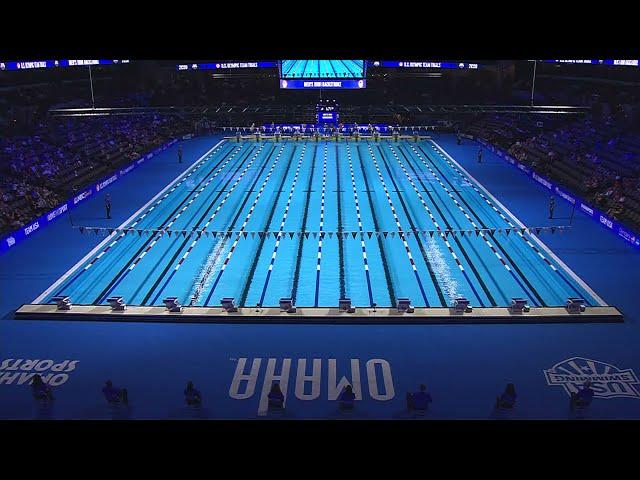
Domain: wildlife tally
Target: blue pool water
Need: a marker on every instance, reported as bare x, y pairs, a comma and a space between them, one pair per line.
322, 68
317, 222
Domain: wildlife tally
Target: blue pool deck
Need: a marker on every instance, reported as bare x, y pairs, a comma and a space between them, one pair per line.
154, 360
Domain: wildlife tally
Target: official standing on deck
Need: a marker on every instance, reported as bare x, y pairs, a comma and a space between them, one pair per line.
552, 206
107, 204
180, 154
480, 155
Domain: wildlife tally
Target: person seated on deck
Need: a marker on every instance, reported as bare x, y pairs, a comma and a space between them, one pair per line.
419, 400
347, 398
507, 399
276, 397
583, 397
40, 390
192, 395
113, 395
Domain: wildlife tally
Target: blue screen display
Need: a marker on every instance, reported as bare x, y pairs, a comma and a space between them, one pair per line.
321, 84
312, 69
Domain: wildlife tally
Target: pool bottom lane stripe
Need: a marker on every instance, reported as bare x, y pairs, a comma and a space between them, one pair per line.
252, 269
398, 226
203, 230
242, 229
282, 223
442, 235
126, 270
296, 273
376, 226
343, 290
531, 291
425, 256
180, 180
244, 225
362, 244
321, 234
519, 233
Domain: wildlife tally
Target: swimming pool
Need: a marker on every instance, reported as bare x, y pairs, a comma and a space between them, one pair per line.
319, 221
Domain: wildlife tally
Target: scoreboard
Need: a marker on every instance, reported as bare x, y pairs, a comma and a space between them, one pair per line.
327, 112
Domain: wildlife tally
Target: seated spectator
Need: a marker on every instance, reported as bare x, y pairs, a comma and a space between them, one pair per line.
507, 399
276, 397
419, 400
114, 395
192, 396
583, 397
347, 398
40, 390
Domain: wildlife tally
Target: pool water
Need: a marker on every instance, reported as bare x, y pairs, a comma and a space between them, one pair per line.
370, 221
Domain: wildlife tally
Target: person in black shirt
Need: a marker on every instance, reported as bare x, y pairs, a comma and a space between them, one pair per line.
508, 398
192, 396
480, 155
40, 390
107, 204
180, 154
347, 398
276, 397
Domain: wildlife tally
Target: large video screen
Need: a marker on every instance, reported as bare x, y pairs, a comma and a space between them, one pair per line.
316, 69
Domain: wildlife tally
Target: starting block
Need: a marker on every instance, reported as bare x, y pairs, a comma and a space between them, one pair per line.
575, 305
63, 302
286, 305
461, 305
344, 305
519, 305
172, 304
117, 303
228, 304
404, 305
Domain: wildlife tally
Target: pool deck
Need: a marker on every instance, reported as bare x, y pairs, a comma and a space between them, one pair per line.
317, 315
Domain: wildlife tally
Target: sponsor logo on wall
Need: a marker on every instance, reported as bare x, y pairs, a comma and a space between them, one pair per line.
31, 228
311, 379
57, 212
605, 221
106, 182
607, 381
20, 371
587, 209
78, 198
